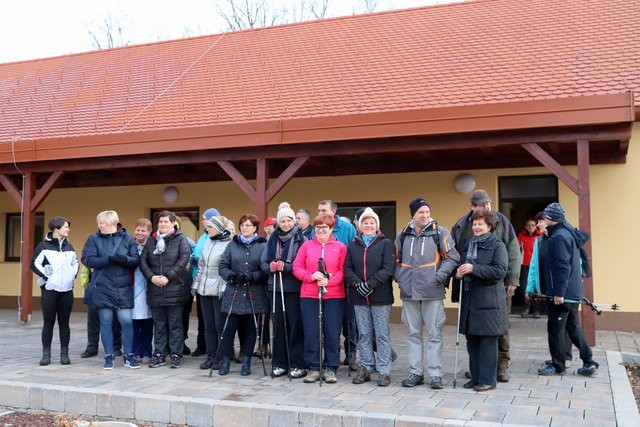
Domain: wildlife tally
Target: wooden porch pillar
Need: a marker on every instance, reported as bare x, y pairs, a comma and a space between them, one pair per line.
263, 193
580, 187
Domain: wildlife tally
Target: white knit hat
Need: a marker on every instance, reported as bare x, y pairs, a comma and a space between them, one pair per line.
368, 213
284, 210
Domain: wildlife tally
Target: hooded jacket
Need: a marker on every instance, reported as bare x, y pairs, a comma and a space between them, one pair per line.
172, 264
483, 309
374, 264
239, 258
422, 267
112, 284
62, 261
562, 271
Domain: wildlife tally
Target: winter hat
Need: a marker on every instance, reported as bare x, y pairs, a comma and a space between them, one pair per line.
479, 197
368, 213
269, 221
217, 223
284, 210
211, 212
554, 212
416, 204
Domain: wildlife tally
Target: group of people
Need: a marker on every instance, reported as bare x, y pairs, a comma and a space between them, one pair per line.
319, 279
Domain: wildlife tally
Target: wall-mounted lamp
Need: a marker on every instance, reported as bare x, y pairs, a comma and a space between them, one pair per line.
464, 183
170, 194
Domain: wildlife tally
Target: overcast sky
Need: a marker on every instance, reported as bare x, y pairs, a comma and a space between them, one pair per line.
42, 28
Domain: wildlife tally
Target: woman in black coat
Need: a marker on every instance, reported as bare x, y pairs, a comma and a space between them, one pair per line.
246, 291
368, 271
483, 315
284, 294
163, 262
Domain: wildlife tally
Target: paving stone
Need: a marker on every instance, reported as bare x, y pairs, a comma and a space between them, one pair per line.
324, 417
80, 402
123, 406
153, 408
14, 395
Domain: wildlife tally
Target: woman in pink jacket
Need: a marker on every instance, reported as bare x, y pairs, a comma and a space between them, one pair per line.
320, 265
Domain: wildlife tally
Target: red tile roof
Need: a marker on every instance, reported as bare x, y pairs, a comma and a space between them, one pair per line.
474, 53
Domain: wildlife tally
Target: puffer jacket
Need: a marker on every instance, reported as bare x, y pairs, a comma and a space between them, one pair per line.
172, 264
306, 263
62, 261
483, 306
112, 285
290, 283
422, 268
208, 281
562, 273
374, 264
239, 258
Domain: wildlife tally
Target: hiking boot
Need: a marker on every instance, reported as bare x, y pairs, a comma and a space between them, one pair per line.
298, 373
384, 380
353, 363
224, 366
88, 353
64, 356
278, 372
435, 383
588, 369
330, 377
484, 387
503, 376
549, 370
157, 361
312, 377
467, 375
130, 361
176, 361
108, 361
207, 364
412, 380
362, 376
46, 357
567, 363
245, 369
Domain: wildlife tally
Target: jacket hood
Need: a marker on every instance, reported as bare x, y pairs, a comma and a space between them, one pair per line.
432, 224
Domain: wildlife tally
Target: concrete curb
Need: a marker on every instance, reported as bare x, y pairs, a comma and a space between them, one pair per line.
626, 408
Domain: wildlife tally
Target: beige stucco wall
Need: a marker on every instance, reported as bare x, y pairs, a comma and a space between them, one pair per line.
614, 195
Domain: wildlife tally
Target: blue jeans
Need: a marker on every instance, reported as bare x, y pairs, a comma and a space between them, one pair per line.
332, 312
106, 328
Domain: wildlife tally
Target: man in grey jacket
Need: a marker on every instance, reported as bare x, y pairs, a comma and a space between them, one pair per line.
426, 259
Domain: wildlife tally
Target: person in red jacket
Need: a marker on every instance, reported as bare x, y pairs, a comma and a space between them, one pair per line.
526, 239
329, 275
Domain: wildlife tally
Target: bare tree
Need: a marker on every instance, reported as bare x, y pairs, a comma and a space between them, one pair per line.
110, 33
244, 14
365, 6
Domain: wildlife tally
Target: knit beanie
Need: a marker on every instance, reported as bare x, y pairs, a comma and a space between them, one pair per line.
369, 213
479, 197
554, 212
210, 213
416, 204
284, 210
217, 223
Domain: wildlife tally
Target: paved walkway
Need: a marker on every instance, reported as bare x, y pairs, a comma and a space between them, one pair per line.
188, 396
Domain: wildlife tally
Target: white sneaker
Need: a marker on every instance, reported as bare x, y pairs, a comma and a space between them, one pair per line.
298, 373
278, 372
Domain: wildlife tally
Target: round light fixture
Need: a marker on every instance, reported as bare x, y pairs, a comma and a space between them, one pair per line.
170, 194
464, 183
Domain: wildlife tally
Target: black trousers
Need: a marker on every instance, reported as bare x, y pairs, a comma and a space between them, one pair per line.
93, 330
293, 332
56, 305
483, 358
563, 320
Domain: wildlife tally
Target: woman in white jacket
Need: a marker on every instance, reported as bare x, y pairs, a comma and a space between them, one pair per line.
55, 261
209, 285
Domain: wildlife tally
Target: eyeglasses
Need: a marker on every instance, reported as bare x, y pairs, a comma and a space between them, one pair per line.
246, 225
322, 227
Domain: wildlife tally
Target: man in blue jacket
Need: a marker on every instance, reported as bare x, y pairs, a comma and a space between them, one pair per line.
563, 276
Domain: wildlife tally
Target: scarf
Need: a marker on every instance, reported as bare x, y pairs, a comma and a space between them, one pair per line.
160, 244
472, 254
248, 240
278, 243
368, 239
221, 236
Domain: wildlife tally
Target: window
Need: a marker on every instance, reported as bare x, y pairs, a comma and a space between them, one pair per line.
14, 234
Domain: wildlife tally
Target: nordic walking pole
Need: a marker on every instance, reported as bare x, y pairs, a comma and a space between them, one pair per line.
348, 334
224, 328
284, 320
321, 290
273, 314
255, 322
455, 369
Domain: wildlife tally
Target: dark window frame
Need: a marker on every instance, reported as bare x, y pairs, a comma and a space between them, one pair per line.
10, 236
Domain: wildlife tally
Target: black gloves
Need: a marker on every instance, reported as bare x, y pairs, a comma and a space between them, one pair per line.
193, 260
244, 279
118, 260
363, 288
193, 292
